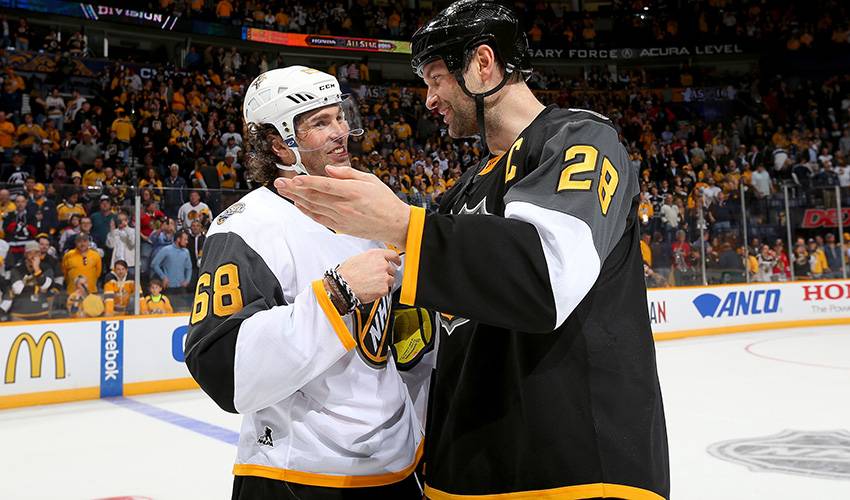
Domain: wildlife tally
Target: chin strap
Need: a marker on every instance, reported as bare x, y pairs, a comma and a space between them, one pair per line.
296, 167
479, 103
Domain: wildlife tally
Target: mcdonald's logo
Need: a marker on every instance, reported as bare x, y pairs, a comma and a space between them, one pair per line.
36, 350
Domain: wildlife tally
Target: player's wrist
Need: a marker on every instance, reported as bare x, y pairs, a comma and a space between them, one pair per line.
398, 238
334, 296
340, 292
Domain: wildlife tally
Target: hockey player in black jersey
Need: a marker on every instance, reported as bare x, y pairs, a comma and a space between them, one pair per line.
546, 381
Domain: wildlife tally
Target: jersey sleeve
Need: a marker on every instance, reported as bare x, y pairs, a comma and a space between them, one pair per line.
529, 269
247, 347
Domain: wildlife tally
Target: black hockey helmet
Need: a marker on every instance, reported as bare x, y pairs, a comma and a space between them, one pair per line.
466, 24
461, 27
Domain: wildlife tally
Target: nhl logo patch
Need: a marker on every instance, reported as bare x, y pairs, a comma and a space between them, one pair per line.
236, 208
822, 454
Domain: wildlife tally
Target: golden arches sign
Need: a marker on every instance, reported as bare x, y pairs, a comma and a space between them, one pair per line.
36, 350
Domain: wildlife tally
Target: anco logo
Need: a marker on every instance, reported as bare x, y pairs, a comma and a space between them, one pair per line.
738, 303
36, 350
178, 343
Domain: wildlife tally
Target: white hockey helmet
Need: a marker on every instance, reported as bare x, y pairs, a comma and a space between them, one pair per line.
277, 96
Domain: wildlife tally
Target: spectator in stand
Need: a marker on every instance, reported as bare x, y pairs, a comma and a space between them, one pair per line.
232, 133
156, 302
50, 261
66, 238
818, 265
95, 175
174, 192
85, 229
29, 133
162, 236
6, 204
123, 128
832, 253
19, 230
70, 206
102, 221
31, 283
782, 271
802, 265
646, 248
118, 290
720, 215
670, 216
83, 261
194, 209
18, 171
8, 135
47, 207
228, 178
86, 151
122, 240
197, 237
152, 183
206, 178
79, 298
173, 265
766, 262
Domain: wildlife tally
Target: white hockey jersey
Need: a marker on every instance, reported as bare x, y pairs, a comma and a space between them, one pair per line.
324, 403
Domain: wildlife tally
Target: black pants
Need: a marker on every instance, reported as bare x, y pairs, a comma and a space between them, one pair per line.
260, 488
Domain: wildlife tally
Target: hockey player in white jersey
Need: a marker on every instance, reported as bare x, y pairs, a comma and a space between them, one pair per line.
330, 384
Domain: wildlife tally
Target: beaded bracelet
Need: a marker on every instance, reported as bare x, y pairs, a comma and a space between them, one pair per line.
335, 296
351, 300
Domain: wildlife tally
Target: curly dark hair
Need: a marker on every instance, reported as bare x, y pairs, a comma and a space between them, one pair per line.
260, 157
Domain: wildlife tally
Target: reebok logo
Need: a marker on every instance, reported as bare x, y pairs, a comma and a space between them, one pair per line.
738, 303
266, 438
111, 358
110, 351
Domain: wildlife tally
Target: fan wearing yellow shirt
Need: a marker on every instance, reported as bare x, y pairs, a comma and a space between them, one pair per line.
7, 132
123, 126
402, 129
227, 171
156, 302
6, 204
81, 261
29, 132
95, 175
402, 155
118, 291
67, 208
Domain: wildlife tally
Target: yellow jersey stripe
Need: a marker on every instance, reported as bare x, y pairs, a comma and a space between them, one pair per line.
412, 250
333, 317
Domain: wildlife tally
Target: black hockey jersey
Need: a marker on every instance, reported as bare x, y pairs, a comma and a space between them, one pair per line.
546, 379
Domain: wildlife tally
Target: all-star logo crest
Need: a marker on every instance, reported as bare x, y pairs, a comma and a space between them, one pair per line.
450, 322
479, 209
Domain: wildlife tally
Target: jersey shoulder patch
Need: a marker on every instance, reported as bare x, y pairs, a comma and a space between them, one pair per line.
236, 208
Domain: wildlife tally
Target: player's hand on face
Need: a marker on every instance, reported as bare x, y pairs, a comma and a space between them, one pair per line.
371, 274
350, 202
